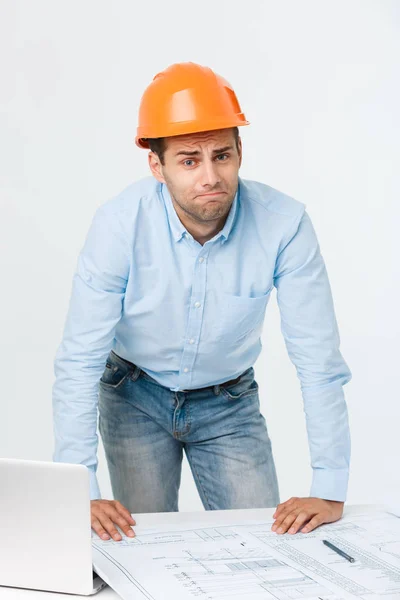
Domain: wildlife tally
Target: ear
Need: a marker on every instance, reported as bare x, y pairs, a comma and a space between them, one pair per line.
240, 151
156, 167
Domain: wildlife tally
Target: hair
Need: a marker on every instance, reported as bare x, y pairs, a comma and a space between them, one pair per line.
159, 145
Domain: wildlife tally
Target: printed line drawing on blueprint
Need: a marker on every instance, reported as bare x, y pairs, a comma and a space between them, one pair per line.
250, 573
187, 536
391, 548
249, 561
374, 544
213, 563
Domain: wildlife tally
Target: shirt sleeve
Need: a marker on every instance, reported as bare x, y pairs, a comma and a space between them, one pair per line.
309, 327
95, 308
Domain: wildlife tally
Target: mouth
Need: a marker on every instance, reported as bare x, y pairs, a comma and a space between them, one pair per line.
213, 195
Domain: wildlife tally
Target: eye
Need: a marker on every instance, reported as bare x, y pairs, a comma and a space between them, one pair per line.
188, 163
222, 157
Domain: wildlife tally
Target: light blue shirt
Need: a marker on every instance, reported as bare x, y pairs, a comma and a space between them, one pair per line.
191, 315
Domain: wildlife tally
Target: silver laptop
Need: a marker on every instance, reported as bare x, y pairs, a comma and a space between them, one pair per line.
45, 532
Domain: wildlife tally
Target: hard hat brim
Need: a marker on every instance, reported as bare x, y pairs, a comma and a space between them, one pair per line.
187, 128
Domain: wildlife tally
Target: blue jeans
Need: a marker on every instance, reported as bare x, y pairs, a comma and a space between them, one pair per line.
145, 427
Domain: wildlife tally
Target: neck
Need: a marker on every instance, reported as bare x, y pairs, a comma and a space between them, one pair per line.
201, 232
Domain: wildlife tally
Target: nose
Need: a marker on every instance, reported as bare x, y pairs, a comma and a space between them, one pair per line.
210, 177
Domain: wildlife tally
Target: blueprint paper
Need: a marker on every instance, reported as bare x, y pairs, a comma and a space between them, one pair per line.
247, 560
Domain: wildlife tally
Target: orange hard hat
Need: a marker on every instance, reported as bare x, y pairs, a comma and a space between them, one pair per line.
187, 98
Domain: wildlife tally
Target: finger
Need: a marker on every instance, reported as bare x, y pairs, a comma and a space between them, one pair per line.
278, 510
105, 509
311, 525
125, 513
99, 529
110, 527
285, 512
123, 524
279, 520
283, 506
299, 522
287, 522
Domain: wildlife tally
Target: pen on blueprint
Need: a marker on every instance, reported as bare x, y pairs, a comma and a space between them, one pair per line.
339, 551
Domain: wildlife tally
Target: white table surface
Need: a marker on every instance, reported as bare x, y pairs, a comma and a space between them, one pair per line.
153, 520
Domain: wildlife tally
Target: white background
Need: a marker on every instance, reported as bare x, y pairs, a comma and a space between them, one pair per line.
319, 82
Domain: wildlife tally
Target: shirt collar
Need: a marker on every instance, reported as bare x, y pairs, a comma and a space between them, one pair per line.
227, 228
177, 227
179, 230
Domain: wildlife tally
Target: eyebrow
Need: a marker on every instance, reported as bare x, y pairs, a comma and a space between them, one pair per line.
197, 152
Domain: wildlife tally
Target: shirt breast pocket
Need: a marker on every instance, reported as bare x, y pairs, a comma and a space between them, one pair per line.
241, 316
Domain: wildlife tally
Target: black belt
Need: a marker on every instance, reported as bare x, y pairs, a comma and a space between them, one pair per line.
208, 387
211, 387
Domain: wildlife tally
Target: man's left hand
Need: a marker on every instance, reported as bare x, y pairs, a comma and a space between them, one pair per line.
305, 514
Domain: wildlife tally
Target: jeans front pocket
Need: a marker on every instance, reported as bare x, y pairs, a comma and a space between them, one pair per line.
115, 372
246, 386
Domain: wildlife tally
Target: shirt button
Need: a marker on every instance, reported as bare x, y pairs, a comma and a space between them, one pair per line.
185, 370
191, 341
196, 304
201, 259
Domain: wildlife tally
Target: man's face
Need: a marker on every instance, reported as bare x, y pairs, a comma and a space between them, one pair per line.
201, 171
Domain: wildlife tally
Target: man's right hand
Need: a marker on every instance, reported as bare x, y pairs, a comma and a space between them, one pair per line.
105, 514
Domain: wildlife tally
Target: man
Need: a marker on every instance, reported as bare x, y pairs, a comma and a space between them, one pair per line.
167, 308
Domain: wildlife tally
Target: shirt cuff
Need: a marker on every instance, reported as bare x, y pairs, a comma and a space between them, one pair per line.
330, 484
94, 486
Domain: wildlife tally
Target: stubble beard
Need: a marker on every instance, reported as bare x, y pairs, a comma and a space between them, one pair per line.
214, 211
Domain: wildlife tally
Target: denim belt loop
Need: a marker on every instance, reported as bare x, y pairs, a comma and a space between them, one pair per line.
217, 389
135, 373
